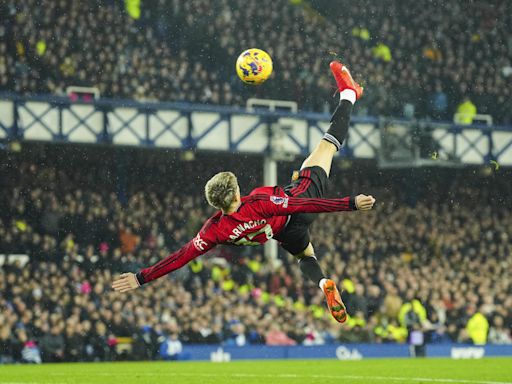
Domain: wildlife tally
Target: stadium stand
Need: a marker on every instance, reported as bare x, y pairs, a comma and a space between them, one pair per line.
434, 257
422, 60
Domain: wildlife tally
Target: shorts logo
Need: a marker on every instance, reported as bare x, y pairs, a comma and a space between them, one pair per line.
199, 243
279, 200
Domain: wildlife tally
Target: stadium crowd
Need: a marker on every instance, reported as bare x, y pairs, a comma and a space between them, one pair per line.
422, 60
434, 257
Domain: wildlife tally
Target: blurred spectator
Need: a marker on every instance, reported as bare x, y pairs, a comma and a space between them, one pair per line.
99, 348
275, 336
381, 51
129, 240
171, 348
477, 328
357, 302
465, 113
29, 351
439, 103
237, 336
74, 342
436, 330
498, 334
426, 265
52, 344
157, 50
6, 345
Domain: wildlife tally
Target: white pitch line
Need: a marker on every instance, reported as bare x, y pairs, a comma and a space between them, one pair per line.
422, 379
295, 376
352, 377
27, 382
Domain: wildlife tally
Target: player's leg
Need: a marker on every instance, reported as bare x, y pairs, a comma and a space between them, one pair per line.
296, 240
350, 91
309, 266
312, 181
321, 156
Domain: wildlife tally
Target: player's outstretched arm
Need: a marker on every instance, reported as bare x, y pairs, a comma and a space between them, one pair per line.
194, 248
284, 206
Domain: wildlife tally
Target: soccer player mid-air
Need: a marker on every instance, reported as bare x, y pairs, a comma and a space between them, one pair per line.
280, 213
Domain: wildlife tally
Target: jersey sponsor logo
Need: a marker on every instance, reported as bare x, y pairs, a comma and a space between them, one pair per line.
240, 228
277, 200
199, 243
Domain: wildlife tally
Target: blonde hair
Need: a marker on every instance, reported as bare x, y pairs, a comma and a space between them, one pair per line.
221, 190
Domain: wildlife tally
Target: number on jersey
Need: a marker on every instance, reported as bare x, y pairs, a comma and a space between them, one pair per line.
247, 239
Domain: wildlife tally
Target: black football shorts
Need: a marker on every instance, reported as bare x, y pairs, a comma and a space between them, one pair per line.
310, 182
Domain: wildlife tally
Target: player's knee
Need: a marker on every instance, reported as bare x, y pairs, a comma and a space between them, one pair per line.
308, 252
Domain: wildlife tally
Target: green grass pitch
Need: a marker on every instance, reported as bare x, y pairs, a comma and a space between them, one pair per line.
400, 371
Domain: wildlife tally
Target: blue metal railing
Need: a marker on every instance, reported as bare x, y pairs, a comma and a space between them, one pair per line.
196, 126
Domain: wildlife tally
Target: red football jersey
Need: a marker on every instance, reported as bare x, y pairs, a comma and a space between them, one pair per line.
261, 215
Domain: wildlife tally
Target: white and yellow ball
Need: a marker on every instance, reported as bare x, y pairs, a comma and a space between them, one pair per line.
254, 66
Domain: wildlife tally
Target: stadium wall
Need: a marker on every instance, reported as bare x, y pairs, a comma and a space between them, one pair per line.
340, 352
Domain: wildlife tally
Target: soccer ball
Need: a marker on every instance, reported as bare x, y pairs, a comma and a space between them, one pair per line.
254, 66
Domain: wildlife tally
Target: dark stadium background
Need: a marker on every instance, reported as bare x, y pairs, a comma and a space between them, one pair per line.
433, 257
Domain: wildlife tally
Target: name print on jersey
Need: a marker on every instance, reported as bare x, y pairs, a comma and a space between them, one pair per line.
240, 228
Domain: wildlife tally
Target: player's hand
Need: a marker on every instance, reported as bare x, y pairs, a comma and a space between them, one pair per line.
125, 283
364, 202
